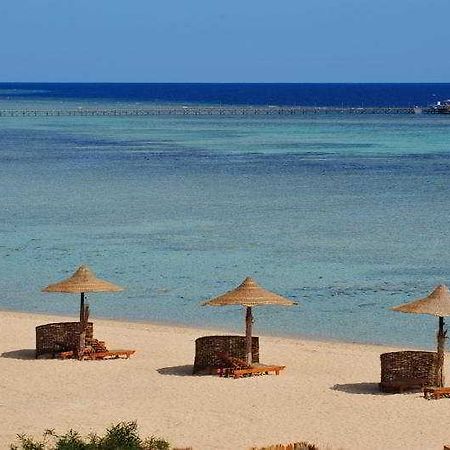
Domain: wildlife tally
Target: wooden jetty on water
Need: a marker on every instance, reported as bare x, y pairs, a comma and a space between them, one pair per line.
198, 110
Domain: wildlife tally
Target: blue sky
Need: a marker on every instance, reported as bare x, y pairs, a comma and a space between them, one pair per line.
225, 41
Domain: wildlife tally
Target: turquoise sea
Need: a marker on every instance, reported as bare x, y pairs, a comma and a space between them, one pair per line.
349, 215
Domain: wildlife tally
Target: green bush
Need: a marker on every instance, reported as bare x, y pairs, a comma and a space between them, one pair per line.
123, 436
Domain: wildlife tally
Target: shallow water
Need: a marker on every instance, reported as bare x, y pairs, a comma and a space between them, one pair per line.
347, 215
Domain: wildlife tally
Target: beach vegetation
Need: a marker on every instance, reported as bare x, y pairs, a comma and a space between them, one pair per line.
121, 436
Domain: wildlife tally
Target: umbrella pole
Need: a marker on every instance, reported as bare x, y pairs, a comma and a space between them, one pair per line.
83, 324
82, 307
440, 352
248, 335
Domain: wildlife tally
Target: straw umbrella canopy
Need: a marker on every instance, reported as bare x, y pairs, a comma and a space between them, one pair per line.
81, 282
249, 294
437, 303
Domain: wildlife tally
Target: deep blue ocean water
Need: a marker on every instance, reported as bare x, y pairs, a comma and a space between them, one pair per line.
349, 215
305, 94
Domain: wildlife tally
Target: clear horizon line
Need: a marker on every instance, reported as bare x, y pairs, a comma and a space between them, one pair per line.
225, 82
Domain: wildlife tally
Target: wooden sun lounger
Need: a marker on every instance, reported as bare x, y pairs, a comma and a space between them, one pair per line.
110, 354
237, 367
257, 370
436, 393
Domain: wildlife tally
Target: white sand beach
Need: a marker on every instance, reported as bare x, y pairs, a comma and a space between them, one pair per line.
327, 395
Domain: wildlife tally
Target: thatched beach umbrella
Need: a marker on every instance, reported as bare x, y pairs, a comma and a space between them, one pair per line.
82, 282
437, 303
249, 294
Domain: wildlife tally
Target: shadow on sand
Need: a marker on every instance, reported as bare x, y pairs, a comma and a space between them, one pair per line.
179, 371
358, 388
25, 353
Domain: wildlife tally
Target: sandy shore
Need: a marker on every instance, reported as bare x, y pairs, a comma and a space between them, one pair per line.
327, 395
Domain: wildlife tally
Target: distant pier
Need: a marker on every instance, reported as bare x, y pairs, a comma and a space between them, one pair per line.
198, 110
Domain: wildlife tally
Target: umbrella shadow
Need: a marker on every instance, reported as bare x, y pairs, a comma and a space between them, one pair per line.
359, 388
25, 353
178, 371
